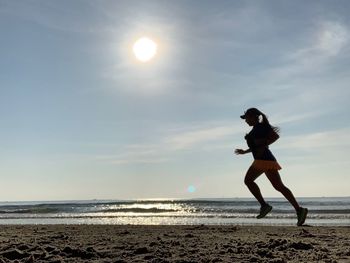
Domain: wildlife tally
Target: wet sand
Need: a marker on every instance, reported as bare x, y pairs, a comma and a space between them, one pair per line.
202, 243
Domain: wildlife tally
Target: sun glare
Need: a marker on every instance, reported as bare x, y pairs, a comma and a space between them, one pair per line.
144, 49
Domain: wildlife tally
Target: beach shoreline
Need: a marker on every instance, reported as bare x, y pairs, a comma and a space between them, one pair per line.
174, 243
330, 211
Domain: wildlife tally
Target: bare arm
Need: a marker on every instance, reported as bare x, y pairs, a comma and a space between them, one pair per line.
240, 151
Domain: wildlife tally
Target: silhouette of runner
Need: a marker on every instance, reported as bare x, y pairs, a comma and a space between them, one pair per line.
258, 140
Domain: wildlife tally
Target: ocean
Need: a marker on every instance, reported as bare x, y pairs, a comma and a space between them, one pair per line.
328, 211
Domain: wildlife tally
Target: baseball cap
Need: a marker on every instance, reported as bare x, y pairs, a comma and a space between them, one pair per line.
251, 111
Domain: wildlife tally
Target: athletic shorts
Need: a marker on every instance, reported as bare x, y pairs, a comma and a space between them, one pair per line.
265, 165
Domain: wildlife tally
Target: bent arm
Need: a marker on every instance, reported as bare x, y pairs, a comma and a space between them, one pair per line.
271, 138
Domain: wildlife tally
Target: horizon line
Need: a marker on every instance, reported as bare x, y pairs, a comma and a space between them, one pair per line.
163, 199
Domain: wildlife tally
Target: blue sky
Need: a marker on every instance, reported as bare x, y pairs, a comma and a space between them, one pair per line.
82, 119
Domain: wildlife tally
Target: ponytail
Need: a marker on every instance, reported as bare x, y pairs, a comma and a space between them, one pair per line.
259, 116
266, 122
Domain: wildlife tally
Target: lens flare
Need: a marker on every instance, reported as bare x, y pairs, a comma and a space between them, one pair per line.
191, 189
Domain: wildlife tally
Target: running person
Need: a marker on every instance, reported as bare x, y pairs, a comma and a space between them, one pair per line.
258, 140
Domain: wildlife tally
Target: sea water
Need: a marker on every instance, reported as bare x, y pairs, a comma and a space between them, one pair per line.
329, 211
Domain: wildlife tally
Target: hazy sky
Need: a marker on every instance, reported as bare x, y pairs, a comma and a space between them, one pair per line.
82, 119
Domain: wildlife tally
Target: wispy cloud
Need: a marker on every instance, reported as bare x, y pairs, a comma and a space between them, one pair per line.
284, 117
165, 150
318, 141
303, 84
189, 139
328, 41
207, 137
61, 16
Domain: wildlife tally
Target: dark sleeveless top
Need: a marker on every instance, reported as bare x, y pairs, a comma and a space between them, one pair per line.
259, 131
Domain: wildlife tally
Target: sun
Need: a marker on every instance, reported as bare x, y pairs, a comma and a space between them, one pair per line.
144, 49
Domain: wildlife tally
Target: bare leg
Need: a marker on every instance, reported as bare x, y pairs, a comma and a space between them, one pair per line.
277, 183
251, 176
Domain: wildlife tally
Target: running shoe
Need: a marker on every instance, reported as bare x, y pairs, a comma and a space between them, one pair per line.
302, 213
264, 210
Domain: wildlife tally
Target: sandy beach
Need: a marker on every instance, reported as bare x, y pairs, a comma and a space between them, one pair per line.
196, 243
